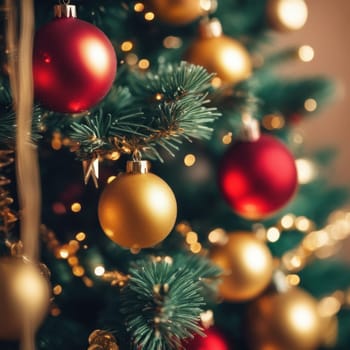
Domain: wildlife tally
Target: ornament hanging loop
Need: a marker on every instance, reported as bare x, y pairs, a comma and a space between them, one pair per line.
136, 155
137, 165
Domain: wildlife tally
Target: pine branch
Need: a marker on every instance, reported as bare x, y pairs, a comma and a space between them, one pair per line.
162, 303
8, 118
159, 111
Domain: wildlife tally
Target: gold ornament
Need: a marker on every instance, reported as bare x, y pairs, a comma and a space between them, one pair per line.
102, 340
284, 321
24, 295
220, 54
137, 209
177, 12
287, 15
247, 266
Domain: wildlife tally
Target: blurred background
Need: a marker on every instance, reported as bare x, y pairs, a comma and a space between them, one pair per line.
327, 31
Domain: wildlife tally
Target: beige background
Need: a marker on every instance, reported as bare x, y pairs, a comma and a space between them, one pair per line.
328, 32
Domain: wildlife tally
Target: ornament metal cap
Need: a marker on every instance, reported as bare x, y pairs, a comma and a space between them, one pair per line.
65, 11
138, 166
210, 28
251, 129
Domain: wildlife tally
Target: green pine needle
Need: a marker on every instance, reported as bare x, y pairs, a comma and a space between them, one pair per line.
162, 303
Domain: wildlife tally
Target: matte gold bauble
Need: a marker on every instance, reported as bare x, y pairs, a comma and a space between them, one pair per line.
287, 15
247, 266
176, 12
24, 295
284, 321
138, 209
220, 54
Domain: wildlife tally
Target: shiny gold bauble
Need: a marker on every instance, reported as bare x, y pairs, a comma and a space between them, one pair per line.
287, 15
247, 266
24, 295
284, 321
137, 210
220, 54
176, 12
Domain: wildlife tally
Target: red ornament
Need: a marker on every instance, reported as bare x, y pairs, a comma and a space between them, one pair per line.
74, 65
259, 177
213, 340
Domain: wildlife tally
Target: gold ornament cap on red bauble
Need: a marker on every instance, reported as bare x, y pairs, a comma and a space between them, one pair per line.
138, 209
284, 321
247, 266
219, 54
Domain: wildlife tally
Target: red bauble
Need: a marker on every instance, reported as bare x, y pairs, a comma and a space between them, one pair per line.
257, 178
74, 65
213, 340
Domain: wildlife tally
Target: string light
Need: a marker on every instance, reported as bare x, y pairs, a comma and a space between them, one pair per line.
287, 221
273, 122
149, 16
144, 63
292, 13
306, 53
78, 271
306, 170
99, 270
191, 237
310, 105
189, 160
218, 236
57, 289
139, 7
75, 207
195, 247
273, 234
80, 236
67, 251
303, 224
320, 244
227, 138
293, 279
63, 253
127, 46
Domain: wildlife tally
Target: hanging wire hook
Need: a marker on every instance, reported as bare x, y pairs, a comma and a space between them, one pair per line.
136, 155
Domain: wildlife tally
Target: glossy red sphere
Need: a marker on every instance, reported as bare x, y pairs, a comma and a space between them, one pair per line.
74, 65
257, 178
213, 340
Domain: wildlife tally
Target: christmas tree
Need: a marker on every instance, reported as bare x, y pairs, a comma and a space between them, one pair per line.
155, 191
